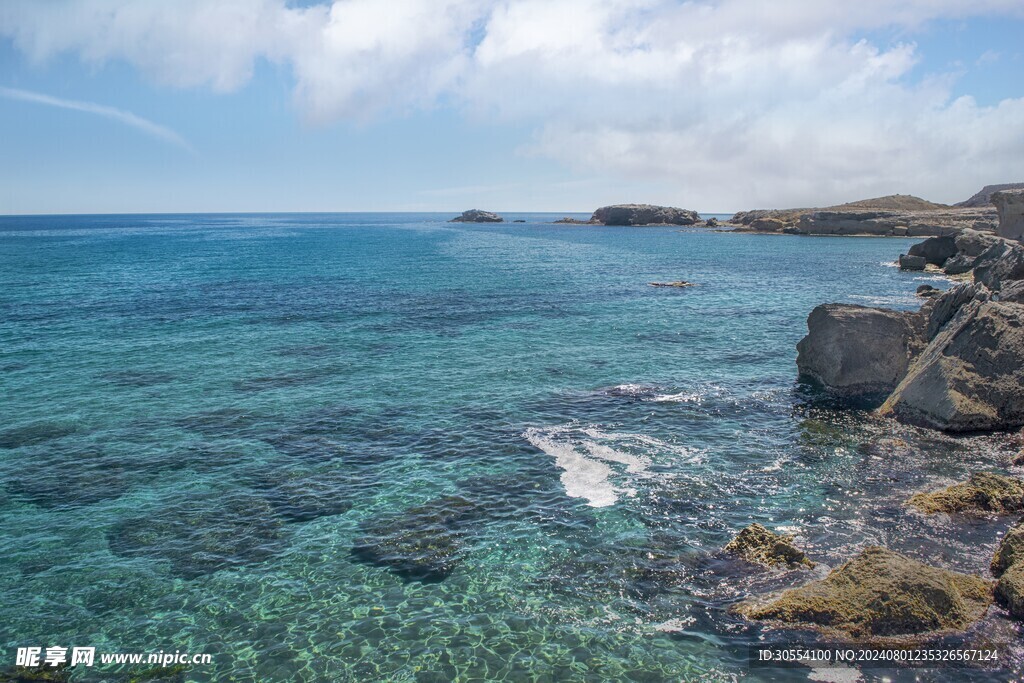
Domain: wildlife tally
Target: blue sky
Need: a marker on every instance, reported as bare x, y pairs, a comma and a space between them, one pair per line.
560, 105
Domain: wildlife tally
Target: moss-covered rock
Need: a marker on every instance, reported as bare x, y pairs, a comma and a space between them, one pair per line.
1010, 551
1010, 590
879, 594
758, 545
983, 492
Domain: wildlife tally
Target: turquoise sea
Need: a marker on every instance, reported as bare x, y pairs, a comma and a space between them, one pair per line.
383, 447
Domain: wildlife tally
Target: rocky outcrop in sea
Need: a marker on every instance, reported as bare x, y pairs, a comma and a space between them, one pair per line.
879, 596
644, 214
477, 216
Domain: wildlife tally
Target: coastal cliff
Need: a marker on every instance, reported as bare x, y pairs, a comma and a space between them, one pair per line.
893, 215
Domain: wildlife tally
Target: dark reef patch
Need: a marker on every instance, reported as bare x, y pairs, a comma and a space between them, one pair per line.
199, 536
136, 378
424, 543
35, 433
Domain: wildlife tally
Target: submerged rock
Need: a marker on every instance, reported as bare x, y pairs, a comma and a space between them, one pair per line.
299, 496
880, 594
982, 492
1010, 205
424, 543
971, 376
36, 674
854, 350
202, 536
477, 216
1010, 550
644, 214
758, 545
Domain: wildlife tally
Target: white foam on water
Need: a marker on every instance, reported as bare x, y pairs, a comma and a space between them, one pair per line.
682, 397
601, 466
634, 464
582, 477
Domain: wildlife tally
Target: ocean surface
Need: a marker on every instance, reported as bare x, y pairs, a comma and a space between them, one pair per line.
361, 447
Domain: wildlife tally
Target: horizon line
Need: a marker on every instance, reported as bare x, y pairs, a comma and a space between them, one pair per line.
306, 211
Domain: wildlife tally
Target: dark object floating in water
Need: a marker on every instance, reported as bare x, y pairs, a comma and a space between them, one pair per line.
982, 492
477, 216
519, 220
879, 595
758, 545
424, 543
202, 536
678, 283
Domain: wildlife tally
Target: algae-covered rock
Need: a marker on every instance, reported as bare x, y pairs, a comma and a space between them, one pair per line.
424, 543
1010, 551
36, 674
758, 545
1010, 590
880, 594
982, 492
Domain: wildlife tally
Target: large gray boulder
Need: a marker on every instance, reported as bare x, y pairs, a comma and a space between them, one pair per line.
1003, 262
1010, 205
644, 214
935, 250
477, 216
855, 350
971, 376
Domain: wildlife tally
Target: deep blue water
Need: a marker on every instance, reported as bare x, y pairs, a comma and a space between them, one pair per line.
352, 447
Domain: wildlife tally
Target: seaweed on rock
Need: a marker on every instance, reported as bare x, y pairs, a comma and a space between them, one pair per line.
758, 545
879, 595
982, 492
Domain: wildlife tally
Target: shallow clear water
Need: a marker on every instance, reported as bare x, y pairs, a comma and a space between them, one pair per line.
216, 431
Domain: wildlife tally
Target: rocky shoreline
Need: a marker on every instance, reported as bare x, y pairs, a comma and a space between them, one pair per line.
957, 366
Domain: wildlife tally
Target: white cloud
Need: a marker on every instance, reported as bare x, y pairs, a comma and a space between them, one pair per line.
126, 117
734, 102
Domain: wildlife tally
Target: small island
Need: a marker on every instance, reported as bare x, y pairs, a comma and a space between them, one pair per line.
477, 216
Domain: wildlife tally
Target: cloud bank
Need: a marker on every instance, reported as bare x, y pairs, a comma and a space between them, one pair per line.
740, 102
